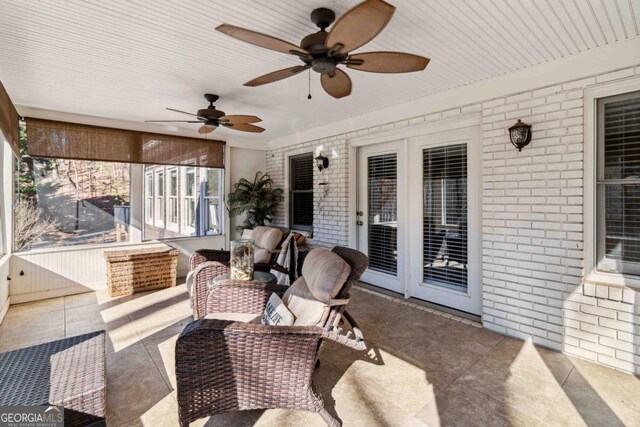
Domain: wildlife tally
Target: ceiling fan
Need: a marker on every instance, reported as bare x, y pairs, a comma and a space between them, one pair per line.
323, 51
212, 118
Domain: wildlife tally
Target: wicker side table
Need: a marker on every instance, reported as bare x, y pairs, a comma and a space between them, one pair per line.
139, 270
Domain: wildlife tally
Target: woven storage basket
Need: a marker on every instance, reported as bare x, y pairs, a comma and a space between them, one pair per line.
139, 270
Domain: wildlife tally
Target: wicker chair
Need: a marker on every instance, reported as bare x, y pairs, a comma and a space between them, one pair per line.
206, 264
224, 365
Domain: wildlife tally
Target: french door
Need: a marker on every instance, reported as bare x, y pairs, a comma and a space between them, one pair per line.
446, 215
380, 222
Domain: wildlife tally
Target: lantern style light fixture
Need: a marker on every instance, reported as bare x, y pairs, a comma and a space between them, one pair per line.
520, 134
322, 162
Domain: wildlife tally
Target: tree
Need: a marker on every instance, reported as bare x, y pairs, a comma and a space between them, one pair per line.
31, 224
258, 199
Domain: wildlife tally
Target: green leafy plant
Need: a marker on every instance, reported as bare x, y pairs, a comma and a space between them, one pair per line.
259, 200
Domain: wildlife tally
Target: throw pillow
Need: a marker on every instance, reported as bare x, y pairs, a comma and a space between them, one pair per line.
276, 313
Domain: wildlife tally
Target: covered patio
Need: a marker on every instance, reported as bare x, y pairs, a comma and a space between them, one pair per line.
421, 367
321, 213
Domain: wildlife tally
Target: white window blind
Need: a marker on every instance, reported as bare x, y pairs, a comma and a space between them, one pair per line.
383, 213
618, 184
445, 216
301, 192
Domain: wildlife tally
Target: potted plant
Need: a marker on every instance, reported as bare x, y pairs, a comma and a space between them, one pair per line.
258, 199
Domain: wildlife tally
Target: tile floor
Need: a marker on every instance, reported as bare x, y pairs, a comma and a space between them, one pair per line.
422, 368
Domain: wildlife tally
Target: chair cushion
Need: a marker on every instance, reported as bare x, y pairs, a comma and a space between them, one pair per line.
276, 313
325, 273
261, 255
236, 317
266, 237
306, 309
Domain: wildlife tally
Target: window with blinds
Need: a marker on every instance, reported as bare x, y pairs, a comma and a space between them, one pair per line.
301, 192
445, 216
382, 172
618, 184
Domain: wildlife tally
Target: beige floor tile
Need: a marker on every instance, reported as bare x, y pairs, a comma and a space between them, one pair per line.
127, 363
257, 418
582, 407
358, 404
163, 414
402, 326
119, 335
326, 376
96, 312
25, 330
464, 407
36, 308
517, 390
345, 357
159, 317
526, 358
367, 308
162, 351
21, 339
141, 393
599, 393
408, 386
100, 298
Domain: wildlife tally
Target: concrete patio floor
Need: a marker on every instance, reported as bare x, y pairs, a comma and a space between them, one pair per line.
422, 367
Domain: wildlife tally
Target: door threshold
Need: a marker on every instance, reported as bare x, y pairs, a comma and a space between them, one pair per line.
418, 301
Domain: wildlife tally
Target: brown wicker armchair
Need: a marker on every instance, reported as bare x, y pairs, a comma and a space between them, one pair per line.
206, 264
226, 365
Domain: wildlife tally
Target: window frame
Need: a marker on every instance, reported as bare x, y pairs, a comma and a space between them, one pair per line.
602, 183
592, 94
159, 208
173, 199
291, 192
220, 198
186, 199
200, 201
149, 197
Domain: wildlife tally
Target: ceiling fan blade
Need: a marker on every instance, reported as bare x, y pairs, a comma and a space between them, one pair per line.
206, 129
181, 112
239, 118
387, 62
359, 25
245, 127
259, 39
338, 85
276, 75
172, 121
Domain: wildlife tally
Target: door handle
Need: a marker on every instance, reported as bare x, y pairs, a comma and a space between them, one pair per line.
359, 213
359, 223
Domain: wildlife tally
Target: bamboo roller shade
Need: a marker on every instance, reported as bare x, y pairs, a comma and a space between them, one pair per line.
54, 139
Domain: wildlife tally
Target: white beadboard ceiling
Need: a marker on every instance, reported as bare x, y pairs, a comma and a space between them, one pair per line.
127, 60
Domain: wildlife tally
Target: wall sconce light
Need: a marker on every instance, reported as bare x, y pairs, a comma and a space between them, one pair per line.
322, 162
520, 135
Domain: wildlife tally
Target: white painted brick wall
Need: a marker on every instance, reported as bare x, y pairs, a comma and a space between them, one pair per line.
532, 224
533, 233
331, 202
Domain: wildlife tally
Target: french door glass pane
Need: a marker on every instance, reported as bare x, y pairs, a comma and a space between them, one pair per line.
445, 216
383, 213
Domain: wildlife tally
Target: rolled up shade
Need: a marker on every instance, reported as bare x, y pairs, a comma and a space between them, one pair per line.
9, 121
62, 140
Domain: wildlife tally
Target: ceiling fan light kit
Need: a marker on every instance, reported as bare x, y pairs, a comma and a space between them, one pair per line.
324, 51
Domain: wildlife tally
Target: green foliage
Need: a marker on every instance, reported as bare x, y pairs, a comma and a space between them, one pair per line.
259, 200
25, 172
